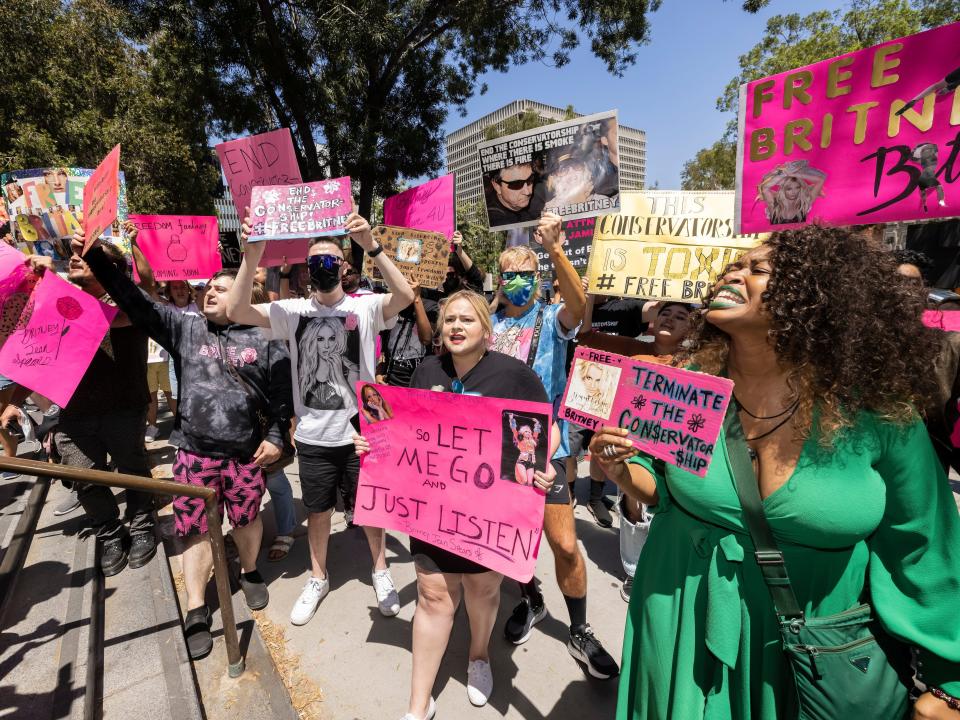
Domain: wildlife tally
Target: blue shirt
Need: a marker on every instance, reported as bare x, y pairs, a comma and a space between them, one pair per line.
514, 335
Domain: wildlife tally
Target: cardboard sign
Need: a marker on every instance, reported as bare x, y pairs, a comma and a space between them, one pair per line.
447, 469
570, 168
55, 340
948, 320
872, 136
671, 414
420, 256
424, 207
286, 212
179, 247
665, 245
101, 196
265, 159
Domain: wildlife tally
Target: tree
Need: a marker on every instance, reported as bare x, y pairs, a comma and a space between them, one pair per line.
81, 87
792, 41
482, 245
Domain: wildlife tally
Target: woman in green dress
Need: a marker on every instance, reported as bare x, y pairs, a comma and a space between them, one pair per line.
824, 343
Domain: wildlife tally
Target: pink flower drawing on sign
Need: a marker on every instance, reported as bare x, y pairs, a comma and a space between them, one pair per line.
69, 309
350, 322
248, 355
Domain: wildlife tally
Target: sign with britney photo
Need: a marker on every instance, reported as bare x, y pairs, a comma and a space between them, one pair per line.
872, 136
464, 485
669, 413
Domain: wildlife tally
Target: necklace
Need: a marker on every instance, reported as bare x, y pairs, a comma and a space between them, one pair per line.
771, 431
791, 406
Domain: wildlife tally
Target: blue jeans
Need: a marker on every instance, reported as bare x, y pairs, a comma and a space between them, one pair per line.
282, 496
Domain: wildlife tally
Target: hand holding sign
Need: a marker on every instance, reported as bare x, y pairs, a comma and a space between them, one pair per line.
100, 197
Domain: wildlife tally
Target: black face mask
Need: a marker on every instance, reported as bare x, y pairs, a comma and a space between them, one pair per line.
324, 272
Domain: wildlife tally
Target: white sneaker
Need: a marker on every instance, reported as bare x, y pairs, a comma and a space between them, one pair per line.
431, 712
308, 602
152, 432
479, 682
387, 599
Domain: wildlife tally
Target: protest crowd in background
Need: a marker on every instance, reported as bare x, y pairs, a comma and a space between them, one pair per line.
765, 395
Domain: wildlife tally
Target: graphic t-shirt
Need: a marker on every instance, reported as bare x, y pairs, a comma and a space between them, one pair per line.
620, 316
513, 336
331, 348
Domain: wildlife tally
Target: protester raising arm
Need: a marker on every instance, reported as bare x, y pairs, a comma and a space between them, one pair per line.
424, 328
239, 308
547, 235
147, 280
401, 294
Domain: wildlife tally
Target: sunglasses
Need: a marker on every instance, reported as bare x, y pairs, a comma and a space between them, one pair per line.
327, 262
518, 184
508, 275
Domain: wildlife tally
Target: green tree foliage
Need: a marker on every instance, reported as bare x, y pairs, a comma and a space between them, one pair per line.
77, 86
482, 245
794, 40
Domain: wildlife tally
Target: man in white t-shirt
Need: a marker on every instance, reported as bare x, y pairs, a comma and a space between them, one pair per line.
331, 337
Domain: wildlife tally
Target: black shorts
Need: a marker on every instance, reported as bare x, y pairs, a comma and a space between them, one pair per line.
325, 469
579, 438
560, 492
434, 559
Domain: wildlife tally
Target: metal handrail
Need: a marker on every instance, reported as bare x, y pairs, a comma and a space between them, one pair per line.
235, 661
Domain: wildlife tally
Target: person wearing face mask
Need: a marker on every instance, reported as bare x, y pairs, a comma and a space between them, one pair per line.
230, 377
820, 549
332, 338
538, 334
462, 272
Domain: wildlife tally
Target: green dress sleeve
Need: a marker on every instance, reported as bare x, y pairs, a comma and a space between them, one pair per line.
657, 468
914, 572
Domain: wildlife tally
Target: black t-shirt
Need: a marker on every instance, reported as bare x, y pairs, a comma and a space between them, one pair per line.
620, 316
496, 375
116, 378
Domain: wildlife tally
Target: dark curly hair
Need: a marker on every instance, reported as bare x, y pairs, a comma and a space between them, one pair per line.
846, 324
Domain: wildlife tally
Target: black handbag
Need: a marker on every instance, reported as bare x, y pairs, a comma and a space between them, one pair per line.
844, 666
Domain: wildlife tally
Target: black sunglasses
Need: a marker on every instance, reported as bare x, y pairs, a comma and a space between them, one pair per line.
327, 262
509, 275
518, 184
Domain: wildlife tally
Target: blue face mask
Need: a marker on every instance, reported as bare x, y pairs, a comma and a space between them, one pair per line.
518, 289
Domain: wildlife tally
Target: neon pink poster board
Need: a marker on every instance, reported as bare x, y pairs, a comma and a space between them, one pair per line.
942, 319
265, 159
868, 137
425, 207
305, 210
59, 331
100, 197
671, 414
442, 468
13, 270
179, 247
290, 252
16, 285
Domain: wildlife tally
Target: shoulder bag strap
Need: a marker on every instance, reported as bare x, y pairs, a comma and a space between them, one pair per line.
535, 340
768, 554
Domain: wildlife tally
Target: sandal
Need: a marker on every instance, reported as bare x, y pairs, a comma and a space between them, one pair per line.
280, 548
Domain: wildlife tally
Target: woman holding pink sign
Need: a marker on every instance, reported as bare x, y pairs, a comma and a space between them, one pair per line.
465, 366
821, 546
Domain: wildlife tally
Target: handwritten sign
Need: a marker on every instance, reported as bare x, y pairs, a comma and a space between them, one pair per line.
179, 247
55, 340
265, 159
665, 245
942, 319
866, 137
100, 197
672, 414
446, 468
424, 207
420, 256
286, 212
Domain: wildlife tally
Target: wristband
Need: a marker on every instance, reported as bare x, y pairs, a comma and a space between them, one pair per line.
376, 251
952, 702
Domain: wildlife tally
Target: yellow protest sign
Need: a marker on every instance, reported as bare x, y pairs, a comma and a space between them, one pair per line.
665, 245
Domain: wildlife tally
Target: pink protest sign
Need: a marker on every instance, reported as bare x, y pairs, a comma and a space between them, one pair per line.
867, 137
280, 252
457, 483
942, 319
13, 270
59, 331
424, 207
179, 247
101, 195
16, 284
286, 212
265, 159
672, 414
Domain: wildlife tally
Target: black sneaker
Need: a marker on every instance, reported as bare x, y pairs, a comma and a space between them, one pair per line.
143, 546
584, 646
254, 591
600, 512
626, 588
113, 557
196, 631
521, 622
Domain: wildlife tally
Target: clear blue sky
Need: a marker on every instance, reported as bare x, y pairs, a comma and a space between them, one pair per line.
670, 93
